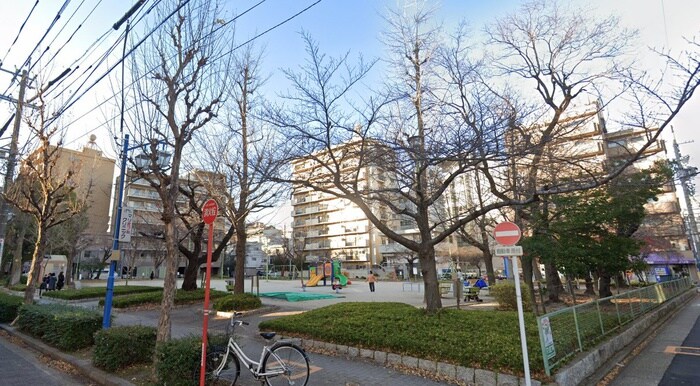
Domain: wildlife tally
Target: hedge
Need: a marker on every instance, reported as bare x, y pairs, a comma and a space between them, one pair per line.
476, 339
65, 327
9, 306
120, 347
237, 302
100, 292
181, 297
178, 360
504, 293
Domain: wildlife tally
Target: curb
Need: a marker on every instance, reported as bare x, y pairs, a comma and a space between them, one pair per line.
84, 366
440, 371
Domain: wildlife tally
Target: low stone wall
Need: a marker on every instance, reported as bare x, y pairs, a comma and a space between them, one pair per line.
585, 364
442, 371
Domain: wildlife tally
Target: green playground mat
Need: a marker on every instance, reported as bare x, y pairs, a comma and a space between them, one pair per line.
296, 296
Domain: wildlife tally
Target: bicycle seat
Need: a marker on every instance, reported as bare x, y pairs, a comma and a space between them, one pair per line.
268, 335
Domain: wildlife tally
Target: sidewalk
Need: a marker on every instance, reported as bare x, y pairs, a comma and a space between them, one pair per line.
329, 370
649, 365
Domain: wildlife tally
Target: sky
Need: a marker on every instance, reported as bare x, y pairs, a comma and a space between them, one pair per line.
339, 26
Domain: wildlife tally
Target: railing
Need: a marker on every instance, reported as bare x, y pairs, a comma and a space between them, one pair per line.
565, 332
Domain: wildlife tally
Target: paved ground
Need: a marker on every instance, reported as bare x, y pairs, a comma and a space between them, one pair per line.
21, 367
660, 362
327, 370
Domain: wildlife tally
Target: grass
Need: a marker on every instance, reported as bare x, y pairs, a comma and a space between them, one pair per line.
472, 339
99, 292
154, 298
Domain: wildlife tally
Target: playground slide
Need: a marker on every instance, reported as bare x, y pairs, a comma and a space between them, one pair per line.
342, 278
314, 280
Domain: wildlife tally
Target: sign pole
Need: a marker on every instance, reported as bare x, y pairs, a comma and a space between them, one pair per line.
209, 212
521, 321
508, 234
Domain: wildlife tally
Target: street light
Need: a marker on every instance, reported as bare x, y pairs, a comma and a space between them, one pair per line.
141, 162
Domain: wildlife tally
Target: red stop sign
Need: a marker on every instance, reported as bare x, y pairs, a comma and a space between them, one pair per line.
507, 233
209, 211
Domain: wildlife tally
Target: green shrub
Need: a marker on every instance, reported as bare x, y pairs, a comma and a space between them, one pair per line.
238, 302
119, 347
178, 359
181, 297
18, 287
477, 339
100, 292
504, 293
9, 306
65, 327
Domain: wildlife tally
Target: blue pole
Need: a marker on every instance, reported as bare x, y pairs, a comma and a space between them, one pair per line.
107, 316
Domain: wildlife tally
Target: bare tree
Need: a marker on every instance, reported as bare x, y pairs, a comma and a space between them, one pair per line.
198, 187
69, 239
448, 116
248, 157
44, 189
181, 77
568, 56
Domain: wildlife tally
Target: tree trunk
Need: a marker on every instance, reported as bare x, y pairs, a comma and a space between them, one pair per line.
604, 284
189, 281
241, 236
488, 257
169, 284
590, 288
536, 269
35, 269
527, 276
17, 257
430, 281
553, 282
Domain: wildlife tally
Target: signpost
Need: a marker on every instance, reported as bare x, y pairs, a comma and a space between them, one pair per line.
508, 234
209, 212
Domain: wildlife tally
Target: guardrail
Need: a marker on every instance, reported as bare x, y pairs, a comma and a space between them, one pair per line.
565, 332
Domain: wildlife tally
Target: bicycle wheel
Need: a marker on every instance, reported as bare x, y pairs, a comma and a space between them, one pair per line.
229, 373
293, 362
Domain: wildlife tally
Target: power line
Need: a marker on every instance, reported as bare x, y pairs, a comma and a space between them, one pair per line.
48, 47
228, 52
19, 32
53, 23
149, 71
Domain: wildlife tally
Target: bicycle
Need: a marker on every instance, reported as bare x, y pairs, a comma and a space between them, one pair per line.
280, 363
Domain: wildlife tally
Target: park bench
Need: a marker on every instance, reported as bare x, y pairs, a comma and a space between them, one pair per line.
472, 293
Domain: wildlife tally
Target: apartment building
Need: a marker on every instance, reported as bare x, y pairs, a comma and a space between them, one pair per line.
93, 180
584, 138
667, 250
327, 227
146, 251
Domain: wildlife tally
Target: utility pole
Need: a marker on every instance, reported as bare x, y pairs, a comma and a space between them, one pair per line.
685, 174
11, 161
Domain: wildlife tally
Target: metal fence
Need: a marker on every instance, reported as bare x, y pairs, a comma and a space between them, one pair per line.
565, 332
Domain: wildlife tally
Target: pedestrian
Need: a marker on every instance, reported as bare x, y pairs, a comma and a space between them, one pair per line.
371, 279
44, 283
61, 280
152, 275
52, 282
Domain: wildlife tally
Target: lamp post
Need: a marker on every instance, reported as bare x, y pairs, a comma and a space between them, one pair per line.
163, 159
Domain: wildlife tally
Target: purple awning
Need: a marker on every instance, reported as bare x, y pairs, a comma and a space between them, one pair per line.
667, 258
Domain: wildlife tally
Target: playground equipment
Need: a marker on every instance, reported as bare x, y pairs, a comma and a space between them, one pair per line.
327, 270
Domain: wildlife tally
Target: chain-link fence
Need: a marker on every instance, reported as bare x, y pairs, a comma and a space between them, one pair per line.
565, 332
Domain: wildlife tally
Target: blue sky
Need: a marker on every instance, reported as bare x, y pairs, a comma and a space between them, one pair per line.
338, 26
